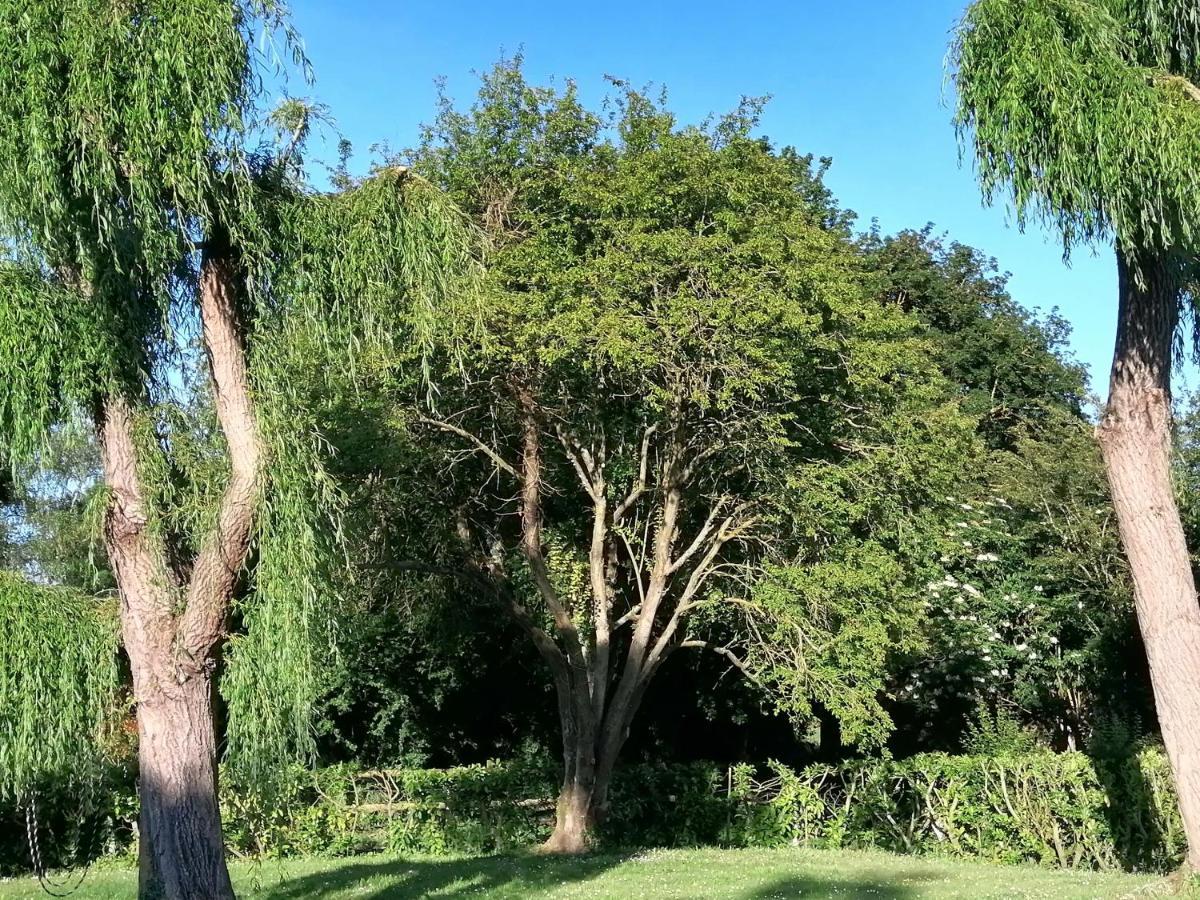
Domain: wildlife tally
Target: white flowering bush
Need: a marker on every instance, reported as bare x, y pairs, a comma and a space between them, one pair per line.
1003, 629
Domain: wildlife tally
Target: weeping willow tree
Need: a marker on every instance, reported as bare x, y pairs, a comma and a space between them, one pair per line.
142, 214
1086, 113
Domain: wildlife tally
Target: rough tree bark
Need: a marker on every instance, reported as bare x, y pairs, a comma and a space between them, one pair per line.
173, 613
1135, 436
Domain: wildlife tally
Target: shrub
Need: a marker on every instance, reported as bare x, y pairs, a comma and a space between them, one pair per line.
1061, 810
1053, 809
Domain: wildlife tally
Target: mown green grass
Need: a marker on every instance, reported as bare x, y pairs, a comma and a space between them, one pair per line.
674, 874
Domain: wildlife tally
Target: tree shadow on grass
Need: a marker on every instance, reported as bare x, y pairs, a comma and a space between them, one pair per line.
492, 876
525, 876
861, 887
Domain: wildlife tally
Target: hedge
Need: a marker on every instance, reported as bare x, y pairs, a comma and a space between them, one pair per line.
1062, 810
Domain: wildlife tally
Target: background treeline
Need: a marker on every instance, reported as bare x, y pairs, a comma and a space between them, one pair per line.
921, 553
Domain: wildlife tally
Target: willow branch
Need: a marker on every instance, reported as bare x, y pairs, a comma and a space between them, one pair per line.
223, 552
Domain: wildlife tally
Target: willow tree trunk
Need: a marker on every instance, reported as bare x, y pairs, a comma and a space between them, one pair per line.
174, 612
182, 853
1135, 436
180, 848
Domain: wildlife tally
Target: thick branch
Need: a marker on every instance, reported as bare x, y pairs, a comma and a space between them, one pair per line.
223, 551
138, 557
531, 532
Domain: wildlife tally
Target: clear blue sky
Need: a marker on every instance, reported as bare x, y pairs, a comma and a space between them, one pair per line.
861, 81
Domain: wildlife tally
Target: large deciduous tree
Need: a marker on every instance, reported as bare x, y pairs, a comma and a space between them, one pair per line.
1087, 113
140, 220
690, 426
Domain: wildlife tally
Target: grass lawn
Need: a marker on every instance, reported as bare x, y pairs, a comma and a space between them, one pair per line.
676, 874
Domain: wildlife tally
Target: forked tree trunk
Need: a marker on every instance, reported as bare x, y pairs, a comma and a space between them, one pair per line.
583, 796
1135, 436
173, 612
590, 757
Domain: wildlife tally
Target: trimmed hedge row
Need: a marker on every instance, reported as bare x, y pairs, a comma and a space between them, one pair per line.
472, 809
1061, 810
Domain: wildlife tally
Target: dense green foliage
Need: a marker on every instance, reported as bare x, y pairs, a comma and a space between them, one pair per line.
59, 685
416, 653
130, 139
690, 291
912, 545
1057, 810
1054, 809
1085, 112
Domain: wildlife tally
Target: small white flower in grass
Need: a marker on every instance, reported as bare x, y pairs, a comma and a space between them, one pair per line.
1054, 640
967, 506
973, 591
1038, 588
987, 557
995, 673
968, 545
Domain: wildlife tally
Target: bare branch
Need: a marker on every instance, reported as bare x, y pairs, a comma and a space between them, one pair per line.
701, 537
628, 617
491, 454
639, 486
728, 654
581, 461
635, 566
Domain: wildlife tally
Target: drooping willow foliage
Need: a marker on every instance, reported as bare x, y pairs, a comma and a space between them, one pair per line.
129, 133
58, 685
1087, 114
56, 349
359, 275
